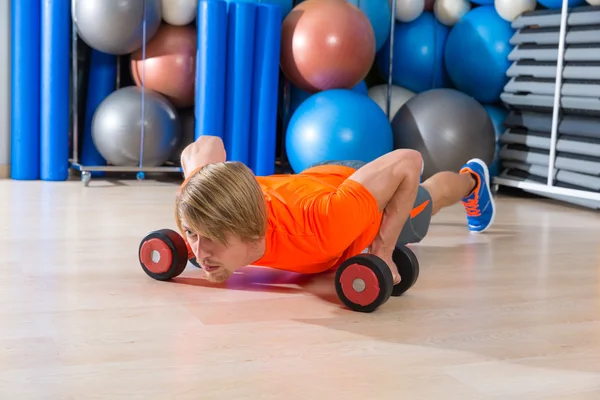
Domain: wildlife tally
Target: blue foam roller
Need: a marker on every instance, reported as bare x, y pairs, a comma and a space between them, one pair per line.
263, 136
240, 62
210, 68
286, 5
25, 90
55, 90
102, 82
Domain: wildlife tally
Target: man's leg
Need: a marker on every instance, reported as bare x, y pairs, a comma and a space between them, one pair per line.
417, 224
471, 186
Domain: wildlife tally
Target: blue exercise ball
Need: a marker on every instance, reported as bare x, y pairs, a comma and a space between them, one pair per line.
379, 13
298, 96
497, 114
418, 63
476, 54
554, 4
337, 124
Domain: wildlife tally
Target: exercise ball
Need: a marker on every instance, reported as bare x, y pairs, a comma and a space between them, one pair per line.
418, 63
326, 44
117, 127
378, 12
593, 2
448, 128
477, 52
398, 97
179, 12
408, 10
116, 26
557, 4
298, 96
510, 10
449, 12
497, 115
170, 64
337, 124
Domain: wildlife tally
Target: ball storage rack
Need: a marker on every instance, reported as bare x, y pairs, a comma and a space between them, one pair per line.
551, 143
74, 161
86, 170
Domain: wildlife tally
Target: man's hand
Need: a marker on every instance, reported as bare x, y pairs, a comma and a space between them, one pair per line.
205, 150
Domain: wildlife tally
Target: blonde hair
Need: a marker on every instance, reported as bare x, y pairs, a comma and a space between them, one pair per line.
221, 199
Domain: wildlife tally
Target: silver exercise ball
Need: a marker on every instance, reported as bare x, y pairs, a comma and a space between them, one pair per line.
117, 127
448, 127
116, 26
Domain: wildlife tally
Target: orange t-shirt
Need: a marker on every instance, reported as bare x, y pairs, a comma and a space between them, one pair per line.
317, 219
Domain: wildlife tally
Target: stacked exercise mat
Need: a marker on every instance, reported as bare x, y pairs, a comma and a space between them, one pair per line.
529, 94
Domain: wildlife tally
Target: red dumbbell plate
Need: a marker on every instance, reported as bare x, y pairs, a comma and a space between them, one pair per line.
163, 254
364, 282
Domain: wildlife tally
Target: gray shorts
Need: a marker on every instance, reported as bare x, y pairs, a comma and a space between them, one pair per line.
417, 225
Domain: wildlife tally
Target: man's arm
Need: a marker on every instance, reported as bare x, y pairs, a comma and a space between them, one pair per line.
393, 179
205, 150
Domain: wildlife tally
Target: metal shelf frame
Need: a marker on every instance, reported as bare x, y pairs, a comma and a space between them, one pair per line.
549, 187
74, 161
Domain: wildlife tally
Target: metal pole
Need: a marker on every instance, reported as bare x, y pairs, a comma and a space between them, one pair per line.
75, 85
557, 91
389, 83
143, 85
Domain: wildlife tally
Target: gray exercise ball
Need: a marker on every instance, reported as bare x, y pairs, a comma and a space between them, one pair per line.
117, 127
448, 127
116, 26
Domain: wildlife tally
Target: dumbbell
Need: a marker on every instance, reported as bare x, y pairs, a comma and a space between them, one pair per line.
164, 254
364, 282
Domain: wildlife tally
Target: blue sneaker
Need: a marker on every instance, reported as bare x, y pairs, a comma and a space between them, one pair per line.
479, 205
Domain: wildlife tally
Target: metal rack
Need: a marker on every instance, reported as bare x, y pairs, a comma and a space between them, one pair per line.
549, 189
74, 162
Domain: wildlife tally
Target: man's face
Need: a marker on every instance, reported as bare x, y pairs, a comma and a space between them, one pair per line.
218, 261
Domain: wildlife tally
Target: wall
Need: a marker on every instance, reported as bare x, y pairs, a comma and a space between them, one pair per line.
4, 88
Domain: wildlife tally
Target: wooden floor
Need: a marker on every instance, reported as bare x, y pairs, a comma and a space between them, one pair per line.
511, 314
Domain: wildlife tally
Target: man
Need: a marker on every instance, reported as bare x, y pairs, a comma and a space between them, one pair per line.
313, 221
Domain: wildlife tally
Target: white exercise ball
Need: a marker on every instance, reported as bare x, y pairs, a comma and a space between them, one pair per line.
512, 9
408, 10
449, 12
399, 96
179, 12
593, 2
